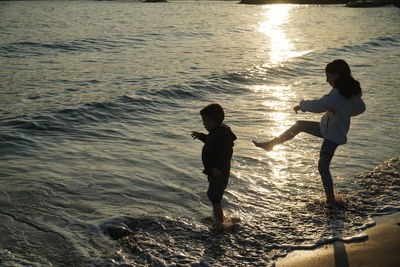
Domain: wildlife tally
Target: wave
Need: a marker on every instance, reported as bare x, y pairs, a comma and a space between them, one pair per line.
145, 105
89, 120
25, 49
308, 64
376, 45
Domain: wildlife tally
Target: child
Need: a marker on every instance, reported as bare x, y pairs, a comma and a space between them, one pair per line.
342, 102
216, 154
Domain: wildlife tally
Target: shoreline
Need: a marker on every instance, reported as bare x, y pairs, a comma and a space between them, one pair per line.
380, 249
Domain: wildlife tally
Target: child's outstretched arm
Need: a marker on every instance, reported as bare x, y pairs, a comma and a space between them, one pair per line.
197, 135
297, 108
323, 104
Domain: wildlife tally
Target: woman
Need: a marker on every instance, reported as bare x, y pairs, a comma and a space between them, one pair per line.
342, 102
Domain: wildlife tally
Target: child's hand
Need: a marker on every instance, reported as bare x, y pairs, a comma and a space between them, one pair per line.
297, 108
195, 134
216, 173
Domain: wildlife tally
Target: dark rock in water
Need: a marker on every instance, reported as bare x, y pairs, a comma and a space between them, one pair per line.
373, 3
117, 231
312, 2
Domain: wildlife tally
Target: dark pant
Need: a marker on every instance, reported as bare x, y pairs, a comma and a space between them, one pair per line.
325, 156
216, 188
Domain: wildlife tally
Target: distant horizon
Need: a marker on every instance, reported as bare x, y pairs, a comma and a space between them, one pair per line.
272, 1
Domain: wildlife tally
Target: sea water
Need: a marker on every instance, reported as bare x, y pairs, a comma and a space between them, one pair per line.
97, 102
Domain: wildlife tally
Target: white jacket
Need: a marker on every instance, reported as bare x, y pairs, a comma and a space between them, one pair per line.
335, 123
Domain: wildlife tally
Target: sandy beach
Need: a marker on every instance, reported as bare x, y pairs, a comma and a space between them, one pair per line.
381, 249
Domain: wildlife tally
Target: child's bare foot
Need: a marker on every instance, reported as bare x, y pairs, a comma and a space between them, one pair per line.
337, 201
265, 145
330, 205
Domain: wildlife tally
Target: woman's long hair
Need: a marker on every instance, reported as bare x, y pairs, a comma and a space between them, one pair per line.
346, 84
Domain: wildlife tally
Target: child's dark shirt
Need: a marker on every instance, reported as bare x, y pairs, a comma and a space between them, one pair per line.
217, 150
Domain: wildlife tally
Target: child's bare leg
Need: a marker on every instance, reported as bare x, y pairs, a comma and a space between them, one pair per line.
218, 212
285, 136
310, 127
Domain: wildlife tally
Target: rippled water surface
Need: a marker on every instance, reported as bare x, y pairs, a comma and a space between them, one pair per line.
97, 166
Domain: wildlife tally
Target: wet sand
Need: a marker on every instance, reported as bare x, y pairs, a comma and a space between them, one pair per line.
381, 249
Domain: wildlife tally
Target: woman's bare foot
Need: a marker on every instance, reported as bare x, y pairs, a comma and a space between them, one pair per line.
265, 145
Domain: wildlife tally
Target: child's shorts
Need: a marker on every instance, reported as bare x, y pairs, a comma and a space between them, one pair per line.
216, 188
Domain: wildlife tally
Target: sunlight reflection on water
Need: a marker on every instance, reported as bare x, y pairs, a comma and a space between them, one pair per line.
281, 48
277, 106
